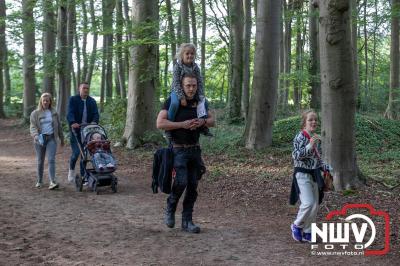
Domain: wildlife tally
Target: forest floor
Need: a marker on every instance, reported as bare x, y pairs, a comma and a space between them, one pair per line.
244, 218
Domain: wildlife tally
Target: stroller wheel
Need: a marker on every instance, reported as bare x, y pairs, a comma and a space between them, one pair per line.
114, 186
78, 183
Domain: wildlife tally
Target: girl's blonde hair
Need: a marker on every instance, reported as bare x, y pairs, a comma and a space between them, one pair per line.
304, 117
182, 48
44, 95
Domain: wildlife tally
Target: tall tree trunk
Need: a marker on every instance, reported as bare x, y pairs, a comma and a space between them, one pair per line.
71, 32
203, 39
297, 90
392, 110
92, 62
142, 74
314, 58
338, 92
372, 79
193, 20
258, 133
63, 72
366, 56
246, 57
235, 94
85, 32
6, 72
166, 87
185, 21
354, 38
108, 9
2, 44
120, 60
171, 30
288, 49
28, 29
49, 46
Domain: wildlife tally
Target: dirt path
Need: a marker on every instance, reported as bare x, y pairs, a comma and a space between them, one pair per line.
64, 227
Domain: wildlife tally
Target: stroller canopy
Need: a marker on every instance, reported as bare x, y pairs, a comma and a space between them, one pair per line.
88, 130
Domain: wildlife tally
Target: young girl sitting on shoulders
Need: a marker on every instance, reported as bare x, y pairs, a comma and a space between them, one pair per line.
186, 64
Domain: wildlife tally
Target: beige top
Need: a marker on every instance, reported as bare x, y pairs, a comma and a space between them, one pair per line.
35, 129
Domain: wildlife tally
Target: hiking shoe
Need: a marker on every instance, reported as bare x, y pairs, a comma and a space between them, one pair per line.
190, 227
53, 185
297, 233
170, 219
306, 237
71, 175
38, 185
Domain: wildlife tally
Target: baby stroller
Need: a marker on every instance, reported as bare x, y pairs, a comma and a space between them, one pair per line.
94, 176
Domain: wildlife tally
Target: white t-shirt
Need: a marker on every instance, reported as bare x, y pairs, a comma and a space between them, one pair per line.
46, 123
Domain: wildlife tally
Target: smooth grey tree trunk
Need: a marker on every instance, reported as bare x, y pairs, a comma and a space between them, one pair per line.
49, 46
28, 29
140, 117
258, 132
203, 39
6, 72
288, 50
194, 21
108, 46
185, 22
171, 30
94, 29
246, 57
71, 32
120, 59
392, 109
338, 93
2, 44
314, 57
63, 72
85, 32
297, 90
235, 90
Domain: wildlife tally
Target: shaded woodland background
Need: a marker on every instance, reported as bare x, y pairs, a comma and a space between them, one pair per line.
262, 63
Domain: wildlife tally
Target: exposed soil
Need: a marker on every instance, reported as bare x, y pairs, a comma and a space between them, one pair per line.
244, 220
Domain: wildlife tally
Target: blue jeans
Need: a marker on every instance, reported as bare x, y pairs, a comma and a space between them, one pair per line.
50, 146
75, 152
173, 107
187, 163
175, 103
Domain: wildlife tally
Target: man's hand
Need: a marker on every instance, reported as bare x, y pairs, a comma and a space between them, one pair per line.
198, 122
188, 124
75, 125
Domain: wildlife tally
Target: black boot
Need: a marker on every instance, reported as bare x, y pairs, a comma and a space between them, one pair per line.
189, 226
170, 218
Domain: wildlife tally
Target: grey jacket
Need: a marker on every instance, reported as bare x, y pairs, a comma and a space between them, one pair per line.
35, 128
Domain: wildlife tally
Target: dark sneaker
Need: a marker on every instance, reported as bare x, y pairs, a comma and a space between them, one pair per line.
190, 227
170, 219
306, 237
297, 233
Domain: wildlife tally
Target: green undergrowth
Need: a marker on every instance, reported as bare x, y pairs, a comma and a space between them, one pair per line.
377, 145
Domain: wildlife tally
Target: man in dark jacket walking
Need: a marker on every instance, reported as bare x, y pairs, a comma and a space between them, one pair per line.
82, 109
185, 132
